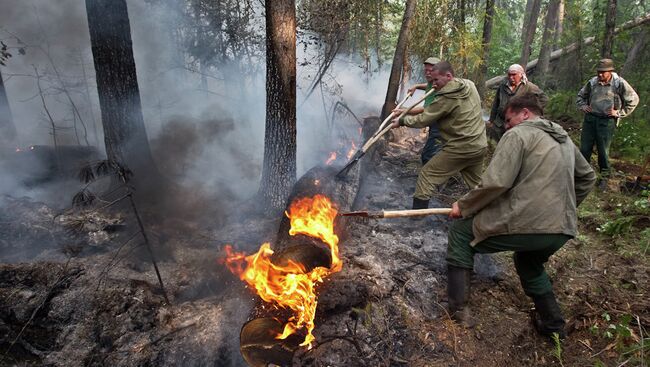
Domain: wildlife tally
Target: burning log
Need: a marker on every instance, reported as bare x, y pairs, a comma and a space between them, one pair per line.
303, 255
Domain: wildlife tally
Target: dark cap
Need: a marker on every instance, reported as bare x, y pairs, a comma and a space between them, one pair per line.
432, 60
605, 65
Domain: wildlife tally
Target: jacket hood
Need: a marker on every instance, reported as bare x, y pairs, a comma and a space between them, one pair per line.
554, 130
456, 88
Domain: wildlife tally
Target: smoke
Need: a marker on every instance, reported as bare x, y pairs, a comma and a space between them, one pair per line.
206, 127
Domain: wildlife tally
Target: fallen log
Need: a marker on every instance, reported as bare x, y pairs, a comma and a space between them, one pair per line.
259, 344
494, 82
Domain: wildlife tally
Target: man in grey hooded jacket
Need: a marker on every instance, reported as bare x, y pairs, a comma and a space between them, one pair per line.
526, 203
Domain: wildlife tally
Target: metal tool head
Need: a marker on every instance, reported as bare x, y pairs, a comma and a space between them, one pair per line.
344, 171
365, 214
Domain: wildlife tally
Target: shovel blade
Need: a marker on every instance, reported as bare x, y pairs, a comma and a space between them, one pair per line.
344, 171
355, 214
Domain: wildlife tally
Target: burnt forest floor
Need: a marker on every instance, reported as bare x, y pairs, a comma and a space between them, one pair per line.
600, 279
78, 289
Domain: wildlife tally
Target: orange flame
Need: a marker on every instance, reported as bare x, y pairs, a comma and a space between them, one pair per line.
352, 150
290, 286
331, 158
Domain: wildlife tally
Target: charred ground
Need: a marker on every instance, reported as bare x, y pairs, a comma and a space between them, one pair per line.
81, 295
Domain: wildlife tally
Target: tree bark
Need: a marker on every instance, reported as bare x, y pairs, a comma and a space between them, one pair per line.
462, 6
117, 86
279, 167
559, 27
547, 40
528, 34
632, 56
610, 25
7, 126
398, 59
485, 46
379, 20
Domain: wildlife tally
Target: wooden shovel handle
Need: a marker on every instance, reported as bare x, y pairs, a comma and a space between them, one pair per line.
415, 212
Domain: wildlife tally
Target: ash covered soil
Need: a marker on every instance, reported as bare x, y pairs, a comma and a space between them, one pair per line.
77, 290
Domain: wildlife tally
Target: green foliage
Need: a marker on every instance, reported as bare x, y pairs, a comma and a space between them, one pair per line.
632, 140
557, 350
619, 332
562, 106
617, 226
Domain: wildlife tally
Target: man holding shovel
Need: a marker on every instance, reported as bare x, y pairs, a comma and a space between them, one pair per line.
456, 111
434, 139
526, 203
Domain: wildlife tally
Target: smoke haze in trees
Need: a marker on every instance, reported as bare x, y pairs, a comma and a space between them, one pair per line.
206, 126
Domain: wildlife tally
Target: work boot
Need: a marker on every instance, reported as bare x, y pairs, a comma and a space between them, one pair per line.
420, 204
547, 317
458, 284
602, 185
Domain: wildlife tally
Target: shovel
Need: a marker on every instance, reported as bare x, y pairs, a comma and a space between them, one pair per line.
398, 213
386, 128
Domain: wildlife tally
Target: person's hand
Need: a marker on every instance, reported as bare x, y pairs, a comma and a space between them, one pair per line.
455, 211
412, 89
398, 111
586, 108
613, 113
394, 124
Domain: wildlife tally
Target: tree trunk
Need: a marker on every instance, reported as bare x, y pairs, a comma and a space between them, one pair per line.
547, 40
7, 126
379, 20
406, 76
632, 56
528, 34
610, 25
485, 46
279, 168
559, 27
398, 59
463, 43
117, 86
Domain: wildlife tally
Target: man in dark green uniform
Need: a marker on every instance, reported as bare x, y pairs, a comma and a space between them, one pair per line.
604, 99
434, 139
516, 84
526, 203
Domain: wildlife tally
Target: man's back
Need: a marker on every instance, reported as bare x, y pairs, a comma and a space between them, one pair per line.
536, 166
457, 113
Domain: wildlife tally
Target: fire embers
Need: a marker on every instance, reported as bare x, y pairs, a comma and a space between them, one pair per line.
288, 279
339, 154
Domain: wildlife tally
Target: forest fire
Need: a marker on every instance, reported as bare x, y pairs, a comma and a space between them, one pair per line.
352, 150
331, 158
292, 284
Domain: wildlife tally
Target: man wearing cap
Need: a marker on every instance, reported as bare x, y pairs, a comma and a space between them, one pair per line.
434, 139
516, 84
456, 111
604, 99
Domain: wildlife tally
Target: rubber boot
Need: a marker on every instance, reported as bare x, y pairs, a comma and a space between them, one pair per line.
420, 204
458, 286
547, 317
